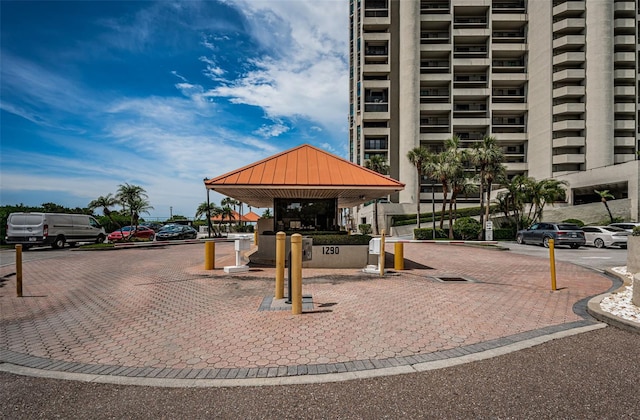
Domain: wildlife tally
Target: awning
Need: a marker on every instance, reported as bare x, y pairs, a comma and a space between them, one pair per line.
304, 172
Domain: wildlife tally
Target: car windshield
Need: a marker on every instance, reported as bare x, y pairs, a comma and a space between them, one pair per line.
171, 229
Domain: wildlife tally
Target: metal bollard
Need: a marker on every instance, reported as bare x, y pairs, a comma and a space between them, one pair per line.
19, 270
552, 263
281, 238
255, 237
209, 255
398, 257
382, 253
296, 274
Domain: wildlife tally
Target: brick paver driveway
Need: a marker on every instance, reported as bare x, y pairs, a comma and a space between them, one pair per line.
155, 312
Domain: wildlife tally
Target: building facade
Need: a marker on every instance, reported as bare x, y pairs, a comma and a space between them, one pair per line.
556, 82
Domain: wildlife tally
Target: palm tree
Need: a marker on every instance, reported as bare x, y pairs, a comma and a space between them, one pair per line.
543, 192
442, 172
227, 211
134, 201
458, 177
487, 157
209, 210
422, 159
377, 163
105, 201
604, 195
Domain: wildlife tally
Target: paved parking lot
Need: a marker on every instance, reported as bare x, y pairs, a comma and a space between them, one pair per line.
156, 313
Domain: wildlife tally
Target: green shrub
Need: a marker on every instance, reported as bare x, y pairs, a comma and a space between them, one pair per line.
467, 228
341, 239
574, 221
365, 228
427, 233
504, 234
636, 231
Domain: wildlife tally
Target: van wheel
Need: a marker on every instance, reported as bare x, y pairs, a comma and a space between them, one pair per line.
58, 243
100, 239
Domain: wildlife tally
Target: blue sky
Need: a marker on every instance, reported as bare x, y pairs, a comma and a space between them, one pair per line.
95, 94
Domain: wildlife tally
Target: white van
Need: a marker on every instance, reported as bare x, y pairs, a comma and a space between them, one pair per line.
53, 229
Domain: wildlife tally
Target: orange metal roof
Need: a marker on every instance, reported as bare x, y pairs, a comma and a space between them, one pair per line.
303, 172
236, 217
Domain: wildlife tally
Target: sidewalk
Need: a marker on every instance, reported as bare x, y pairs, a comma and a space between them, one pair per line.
155, 317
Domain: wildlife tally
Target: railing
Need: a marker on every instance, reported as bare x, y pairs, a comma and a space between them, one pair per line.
376, 107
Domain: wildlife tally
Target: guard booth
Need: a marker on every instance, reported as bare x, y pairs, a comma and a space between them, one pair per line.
306, 187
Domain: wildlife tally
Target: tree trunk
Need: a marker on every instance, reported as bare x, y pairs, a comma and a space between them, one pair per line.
375, 216
608, 209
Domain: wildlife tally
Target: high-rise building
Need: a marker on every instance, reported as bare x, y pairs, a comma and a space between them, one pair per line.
556, 82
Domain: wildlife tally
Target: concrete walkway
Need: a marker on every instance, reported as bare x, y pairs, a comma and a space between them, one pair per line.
153, 316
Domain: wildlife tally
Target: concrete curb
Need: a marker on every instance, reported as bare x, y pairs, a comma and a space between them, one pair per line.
303, 379
595, 310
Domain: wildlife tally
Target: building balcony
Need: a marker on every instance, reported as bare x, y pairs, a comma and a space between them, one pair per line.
568, 158
434, 137
508, 66
624, 107
436, 106
435, 37
569, 41
625, 8
569, 58
469, 136
509, 48
508, 18
624, 125
376, 107
508, 6
624, 91
624, 40
434, 66
569, 125
569, 8
516, 167
436, 17
376, 68
624, 141
569, 75
435, 48
461, 93
508, 77
470, 51
623, 157
470, 120
471, 62
376, 131
624, 57
509, 37
624, 23
568, 92
511, 137
624, 74
569, 142
434, 6
569, 108
461, 22
569, 25
516, 107
434, 122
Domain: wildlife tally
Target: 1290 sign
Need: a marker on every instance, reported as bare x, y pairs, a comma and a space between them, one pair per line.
330, 250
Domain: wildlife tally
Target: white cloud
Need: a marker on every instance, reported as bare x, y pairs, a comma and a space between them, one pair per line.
273, 130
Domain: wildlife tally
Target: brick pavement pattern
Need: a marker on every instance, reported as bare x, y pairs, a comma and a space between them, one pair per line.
155, 312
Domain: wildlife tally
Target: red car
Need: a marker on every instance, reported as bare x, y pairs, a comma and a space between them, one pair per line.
142, 232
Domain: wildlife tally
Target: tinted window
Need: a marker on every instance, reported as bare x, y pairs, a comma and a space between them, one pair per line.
590, 229
568, 227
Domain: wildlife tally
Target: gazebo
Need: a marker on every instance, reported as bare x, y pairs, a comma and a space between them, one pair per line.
305, 186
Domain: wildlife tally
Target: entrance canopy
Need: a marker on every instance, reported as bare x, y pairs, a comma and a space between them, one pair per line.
304, 172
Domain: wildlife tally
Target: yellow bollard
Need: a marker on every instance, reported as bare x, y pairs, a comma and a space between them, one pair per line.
398, 257
281, 238
255, 237
382, 253
19, 270
209, 255
552, 260
296, 274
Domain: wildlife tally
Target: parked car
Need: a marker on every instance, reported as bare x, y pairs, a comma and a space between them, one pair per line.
153, 225
604, 236
561, 233
142, 232
628, 226
176, 232
55, 229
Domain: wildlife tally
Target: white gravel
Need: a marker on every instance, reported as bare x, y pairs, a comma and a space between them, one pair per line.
619, 304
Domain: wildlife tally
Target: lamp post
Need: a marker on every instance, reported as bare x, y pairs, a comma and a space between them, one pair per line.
208, 210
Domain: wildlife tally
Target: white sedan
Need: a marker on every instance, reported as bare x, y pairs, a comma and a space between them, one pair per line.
605, 236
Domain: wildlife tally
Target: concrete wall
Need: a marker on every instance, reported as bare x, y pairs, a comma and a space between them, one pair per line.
324, 256
592, 213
